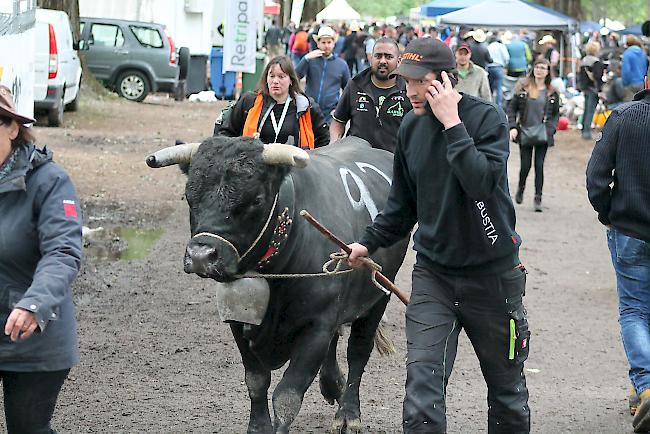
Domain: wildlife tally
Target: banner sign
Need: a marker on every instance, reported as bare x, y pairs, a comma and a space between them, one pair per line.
296, 11
240, 38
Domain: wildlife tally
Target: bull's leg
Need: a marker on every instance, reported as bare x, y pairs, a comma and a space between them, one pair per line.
360, 345
331, 378
258, 380
309, 351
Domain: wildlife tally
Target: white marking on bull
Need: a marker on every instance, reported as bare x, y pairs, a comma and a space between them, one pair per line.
365, 200
361, 166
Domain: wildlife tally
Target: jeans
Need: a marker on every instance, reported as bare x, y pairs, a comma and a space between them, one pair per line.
591, 102
495, 77
631, 260
29, 400
490, 309
526, 156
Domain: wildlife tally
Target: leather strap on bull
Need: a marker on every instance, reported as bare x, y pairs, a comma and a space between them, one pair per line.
304, 122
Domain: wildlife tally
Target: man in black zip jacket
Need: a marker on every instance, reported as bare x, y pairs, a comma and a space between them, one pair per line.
374, 101
450, 178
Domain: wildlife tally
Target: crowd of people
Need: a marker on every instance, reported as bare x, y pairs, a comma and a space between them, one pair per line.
432, 97
435, 98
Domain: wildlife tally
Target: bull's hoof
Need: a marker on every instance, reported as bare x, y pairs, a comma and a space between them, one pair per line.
345, 422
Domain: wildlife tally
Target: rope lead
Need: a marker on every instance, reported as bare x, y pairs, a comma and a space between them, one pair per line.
337, 259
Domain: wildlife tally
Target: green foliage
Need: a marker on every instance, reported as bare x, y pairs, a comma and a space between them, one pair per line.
384, 8
628, 12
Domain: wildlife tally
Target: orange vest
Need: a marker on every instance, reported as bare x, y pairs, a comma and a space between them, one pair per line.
304, 122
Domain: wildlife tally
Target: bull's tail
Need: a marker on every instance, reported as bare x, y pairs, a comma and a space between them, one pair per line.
383, 343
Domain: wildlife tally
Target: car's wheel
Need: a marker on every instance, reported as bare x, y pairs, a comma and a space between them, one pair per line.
55, 114
183, 62
133, 85
73, 105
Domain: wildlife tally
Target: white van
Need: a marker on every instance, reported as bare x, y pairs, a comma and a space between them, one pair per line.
57, 69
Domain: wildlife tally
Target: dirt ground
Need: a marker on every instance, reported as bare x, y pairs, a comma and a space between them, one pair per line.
155, 357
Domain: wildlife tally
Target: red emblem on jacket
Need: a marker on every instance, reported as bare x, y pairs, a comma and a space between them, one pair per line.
70, 208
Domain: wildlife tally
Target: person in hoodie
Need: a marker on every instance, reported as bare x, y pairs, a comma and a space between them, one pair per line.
374, 102
634, 66
449, 177
325, 73
40, 255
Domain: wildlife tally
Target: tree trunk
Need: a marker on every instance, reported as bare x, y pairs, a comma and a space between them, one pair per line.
312, 7
71, 7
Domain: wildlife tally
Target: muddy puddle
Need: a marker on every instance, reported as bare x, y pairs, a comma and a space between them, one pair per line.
119, 243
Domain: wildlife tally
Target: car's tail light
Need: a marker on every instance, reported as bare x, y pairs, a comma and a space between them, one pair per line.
172, 51
54, 55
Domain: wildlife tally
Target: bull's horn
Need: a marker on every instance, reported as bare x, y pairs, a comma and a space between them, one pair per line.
172, 155
280, 154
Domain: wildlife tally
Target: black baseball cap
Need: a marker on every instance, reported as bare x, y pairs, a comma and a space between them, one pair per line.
423, 56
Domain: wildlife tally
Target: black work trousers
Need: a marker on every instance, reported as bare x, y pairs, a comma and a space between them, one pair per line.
490, 309
526, 156
29, 400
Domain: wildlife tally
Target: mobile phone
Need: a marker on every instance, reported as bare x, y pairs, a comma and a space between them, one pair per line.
452, 79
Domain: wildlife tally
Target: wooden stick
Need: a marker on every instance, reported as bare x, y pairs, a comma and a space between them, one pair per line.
383, 280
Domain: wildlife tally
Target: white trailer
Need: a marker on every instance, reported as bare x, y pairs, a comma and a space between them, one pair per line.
17, 19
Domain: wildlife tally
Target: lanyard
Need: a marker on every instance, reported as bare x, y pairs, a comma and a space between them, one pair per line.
277, 127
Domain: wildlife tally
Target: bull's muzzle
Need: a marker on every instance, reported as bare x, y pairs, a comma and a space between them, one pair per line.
210, 258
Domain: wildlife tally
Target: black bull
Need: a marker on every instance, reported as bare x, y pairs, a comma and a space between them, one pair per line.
231, 191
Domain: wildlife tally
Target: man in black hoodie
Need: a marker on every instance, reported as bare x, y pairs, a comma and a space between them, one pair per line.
450, 178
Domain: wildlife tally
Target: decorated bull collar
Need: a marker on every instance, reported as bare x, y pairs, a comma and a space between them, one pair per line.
281, 230
283, 223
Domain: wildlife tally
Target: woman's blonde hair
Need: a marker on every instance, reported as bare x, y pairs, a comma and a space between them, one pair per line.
592, 48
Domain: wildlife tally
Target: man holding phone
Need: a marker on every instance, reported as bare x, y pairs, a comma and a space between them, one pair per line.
450, 178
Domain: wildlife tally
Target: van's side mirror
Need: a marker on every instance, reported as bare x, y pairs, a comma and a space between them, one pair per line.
75, 45
82, 45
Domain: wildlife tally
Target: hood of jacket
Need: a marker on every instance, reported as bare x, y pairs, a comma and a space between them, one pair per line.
29, 158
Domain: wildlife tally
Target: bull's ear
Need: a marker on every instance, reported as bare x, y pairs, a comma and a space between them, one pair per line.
285, 155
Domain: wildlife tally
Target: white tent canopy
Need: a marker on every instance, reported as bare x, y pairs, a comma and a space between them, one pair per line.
507, 14
338, 10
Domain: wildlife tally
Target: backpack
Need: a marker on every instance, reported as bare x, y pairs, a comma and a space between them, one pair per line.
300, 43
223, 117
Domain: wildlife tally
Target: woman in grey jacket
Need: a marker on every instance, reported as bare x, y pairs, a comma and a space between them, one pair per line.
40, 254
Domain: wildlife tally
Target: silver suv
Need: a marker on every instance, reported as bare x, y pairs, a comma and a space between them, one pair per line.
132, 58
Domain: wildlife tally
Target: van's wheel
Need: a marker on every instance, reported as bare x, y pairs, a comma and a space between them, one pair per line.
55, 114
133, 85
73, 105
183, 63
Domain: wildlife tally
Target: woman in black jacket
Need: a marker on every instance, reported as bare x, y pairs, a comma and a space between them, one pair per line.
278, 110
533, 113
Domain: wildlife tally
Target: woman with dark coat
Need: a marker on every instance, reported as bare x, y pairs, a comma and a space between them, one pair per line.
534, 102
40, 254
278, 110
